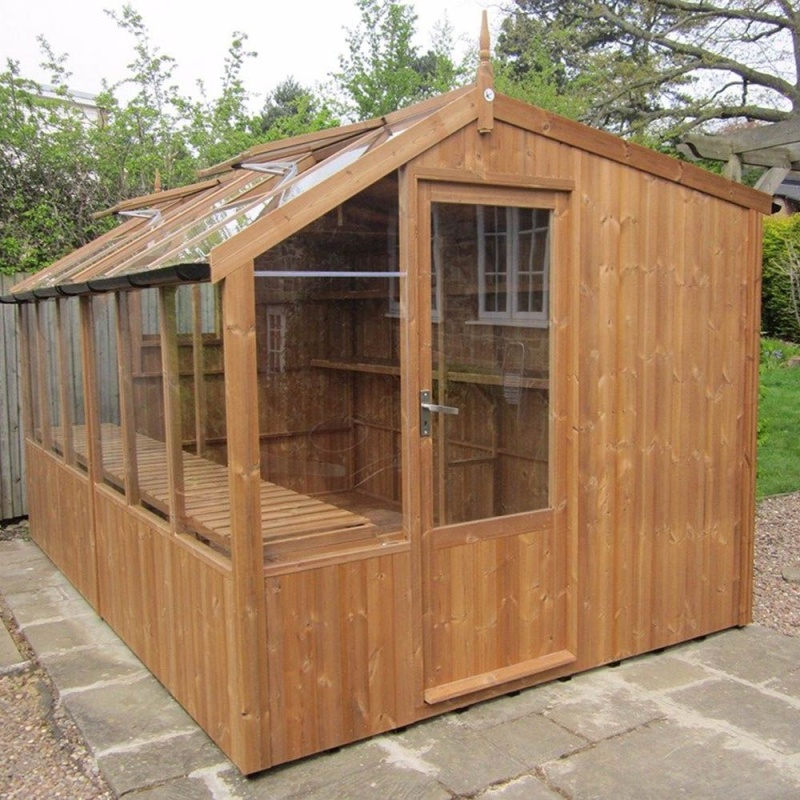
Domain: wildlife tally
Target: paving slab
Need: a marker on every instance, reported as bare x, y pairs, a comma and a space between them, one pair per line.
533, 740
302, 778
182, 789
506, 709
384, 781
154, 763
598, 707
527, 787
59, 636
742, 652
47, 602
124, 713
661, 672
78, 669
788, 684
462, 760
770, 719
9, 654
665, 761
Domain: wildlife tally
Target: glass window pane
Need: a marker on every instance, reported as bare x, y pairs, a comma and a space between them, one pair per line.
49, 343
203, 422
73, 375
107, 381
329, 380
492, 458
31, 329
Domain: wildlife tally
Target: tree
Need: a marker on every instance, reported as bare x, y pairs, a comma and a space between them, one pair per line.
218, 128
143, 137
667, 66
383, 69
48, 185
289, 110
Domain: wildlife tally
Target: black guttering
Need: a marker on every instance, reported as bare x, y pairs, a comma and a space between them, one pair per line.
163, 276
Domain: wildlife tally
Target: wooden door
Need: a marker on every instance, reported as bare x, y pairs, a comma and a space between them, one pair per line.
496, 562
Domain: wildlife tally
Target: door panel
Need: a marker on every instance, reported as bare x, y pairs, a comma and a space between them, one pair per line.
495, 571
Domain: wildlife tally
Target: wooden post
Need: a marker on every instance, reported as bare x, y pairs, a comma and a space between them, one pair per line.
485, 81
94, 466
127, 411
250, 739
172, 407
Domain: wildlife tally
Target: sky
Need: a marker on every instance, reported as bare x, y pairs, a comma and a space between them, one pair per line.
302, 39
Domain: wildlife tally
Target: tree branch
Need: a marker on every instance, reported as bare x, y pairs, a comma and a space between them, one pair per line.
710, 60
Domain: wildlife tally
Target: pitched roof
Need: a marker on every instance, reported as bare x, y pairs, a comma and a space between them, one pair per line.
251, 202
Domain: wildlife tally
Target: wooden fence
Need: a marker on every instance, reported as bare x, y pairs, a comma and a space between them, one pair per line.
12, 452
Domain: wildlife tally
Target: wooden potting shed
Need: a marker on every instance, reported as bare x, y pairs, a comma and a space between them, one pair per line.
387, 419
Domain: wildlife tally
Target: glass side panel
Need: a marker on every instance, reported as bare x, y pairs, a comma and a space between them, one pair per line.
49, 341
203, 422
329, 381
492, 459
73, 375
104, 320
147, 385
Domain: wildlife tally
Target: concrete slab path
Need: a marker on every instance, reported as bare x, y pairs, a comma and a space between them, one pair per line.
714, 718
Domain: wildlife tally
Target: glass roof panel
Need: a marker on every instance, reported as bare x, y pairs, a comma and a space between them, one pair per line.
181, 224
193, 245
324, 170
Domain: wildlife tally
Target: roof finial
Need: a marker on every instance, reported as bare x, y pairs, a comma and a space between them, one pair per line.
485, 80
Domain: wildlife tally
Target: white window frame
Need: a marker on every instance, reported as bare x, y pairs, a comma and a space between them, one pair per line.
512, 314
276, 350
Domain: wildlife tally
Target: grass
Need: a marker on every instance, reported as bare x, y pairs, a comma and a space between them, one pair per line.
778, 420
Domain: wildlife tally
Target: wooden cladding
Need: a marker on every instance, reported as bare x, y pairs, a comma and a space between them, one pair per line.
248, 498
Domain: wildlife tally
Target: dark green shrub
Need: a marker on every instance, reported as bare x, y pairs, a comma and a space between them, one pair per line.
778, 317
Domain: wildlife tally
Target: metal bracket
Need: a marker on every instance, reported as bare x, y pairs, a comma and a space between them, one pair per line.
425, 409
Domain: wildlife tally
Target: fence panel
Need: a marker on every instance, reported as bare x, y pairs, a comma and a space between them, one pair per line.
12, 450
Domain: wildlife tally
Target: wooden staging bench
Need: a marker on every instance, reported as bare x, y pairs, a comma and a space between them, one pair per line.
288, 518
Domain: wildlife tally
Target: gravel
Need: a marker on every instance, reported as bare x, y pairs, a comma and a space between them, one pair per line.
776, 591
45, 757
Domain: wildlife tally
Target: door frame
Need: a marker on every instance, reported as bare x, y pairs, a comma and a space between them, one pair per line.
419, 189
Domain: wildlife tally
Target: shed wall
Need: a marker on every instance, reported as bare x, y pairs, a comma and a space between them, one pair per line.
664, 341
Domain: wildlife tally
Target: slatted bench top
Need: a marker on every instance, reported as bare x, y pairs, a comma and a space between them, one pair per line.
286, 515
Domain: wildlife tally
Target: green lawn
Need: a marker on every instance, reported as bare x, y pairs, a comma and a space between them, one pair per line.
779, 421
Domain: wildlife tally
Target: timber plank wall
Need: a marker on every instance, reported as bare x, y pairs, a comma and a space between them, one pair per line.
13, 500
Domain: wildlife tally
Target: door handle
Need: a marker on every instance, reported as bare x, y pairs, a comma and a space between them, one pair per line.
425, 410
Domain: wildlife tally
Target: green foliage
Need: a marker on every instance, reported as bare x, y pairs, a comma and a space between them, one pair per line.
778, 313
383, 69
290, 110
57, 167
48, 188
779, 421
658, 66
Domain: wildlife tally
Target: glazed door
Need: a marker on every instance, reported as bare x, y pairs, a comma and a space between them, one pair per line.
495, 555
